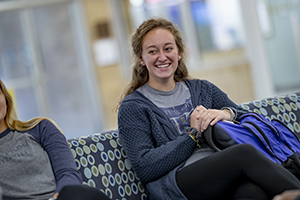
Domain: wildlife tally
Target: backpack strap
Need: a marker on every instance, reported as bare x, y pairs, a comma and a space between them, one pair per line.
271, 126
287, 128
208, 136
266, 122
260, 135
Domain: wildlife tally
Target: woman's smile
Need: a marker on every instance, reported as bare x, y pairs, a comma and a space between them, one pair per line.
163, 66
160, 55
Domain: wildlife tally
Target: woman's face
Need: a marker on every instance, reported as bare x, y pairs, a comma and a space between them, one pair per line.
160, 55
3, 111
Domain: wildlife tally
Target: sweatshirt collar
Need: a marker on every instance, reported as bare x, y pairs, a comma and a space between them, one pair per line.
4, 133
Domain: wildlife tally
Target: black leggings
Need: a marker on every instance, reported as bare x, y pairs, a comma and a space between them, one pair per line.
81, 192
232, 174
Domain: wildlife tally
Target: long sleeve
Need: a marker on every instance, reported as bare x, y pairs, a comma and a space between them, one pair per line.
210, 96
151, 142
61, 158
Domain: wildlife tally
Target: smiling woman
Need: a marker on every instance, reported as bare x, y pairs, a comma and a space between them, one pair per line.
161, 118
160, 56
140, 73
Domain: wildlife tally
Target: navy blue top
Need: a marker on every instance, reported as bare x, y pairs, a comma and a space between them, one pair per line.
153, 144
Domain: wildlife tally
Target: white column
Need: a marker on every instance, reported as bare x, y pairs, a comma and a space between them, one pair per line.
255, 50
194, 61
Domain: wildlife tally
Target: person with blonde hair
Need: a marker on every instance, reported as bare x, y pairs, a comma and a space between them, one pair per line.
161, 116
35, 160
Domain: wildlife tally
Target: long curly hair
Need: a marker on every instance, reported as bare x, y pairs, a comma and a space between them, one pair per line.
140, 74
11, 119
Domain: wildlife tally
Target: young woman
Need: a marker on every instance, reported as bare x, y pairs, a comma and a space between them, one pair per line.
161, 117
35, 159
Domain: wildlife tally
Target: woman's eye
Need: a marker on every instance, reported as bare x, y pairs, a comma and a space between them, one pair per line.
152, 51
169, 49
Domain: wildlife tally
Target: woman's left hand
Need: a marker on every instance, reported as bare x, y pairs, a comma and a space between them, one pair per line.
288, 195
210, 117
54, 196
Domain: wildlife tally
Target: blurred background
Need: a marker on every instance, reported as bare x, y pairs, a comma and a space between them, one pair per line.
70, 59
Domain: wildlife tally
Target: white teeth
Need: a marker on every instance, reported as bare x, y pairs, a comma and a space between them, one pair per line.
162, 66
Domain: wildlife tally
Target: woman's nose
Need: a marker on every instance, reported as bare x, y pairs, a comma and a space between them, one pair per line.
162, 56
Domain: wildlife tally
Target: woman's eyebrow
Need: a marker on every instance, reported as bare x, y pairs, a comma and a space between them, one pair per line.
153, 46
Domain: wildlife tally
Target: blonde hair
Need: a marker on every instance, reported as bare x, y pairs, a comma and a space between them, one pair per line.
11, 118
140, 74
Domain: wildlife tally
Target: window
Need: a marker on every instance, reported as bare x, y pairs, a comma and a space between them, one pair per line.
46, 65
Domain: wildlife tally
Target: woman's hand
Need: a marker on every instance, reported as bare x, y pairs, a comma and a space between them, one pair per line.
288, 195
201, 117
54, 196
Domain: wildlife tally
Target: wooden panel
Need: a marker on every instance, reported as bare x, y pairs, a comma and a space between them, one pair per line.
236, 81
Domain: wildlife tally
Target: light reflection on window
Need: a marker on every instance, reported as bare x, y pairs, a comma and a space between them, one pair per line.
218, 23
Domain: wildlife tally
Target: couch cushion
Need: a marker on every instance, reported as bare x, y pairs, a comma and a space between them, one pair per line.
103, 164
286, 108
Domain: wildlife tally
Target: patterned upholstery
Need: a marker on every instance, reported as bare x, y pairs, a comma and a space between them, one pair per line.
103, 164
285, 108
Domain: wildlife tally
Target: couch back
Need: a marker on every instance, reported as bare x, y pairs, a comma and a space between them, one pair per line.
103, 163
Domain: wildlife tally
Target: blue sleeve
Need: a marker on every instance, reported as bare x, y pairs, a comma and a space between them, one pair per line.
61, 158
210, 96
146, 138
220, 99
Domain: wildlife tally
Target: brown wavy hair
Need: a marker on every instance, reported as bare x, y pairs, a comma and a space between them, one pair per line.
11, 118
140, 74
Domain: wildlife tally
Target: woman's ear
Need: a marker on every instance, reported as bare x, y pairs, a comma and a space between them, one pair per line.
142, 61
179, 56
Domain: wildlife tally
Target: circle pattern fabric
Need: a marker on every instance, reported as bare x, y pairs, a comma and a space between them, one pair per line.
284, 108
103, 164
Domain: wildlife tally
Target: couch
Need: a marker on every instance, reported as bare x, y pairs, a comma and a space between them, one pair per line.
103, 163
